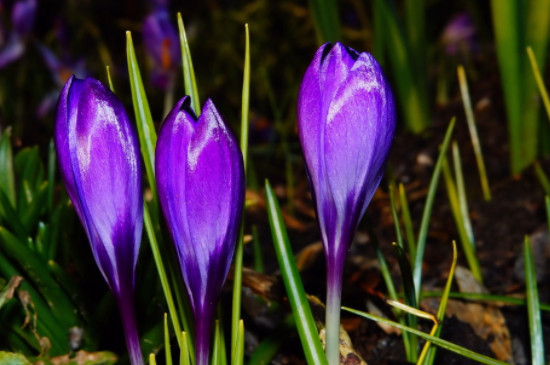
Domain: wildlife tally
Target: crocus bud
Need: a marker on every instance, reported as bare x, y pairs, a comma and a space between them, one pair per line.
346, 122
162, 43
200, 180
100, 165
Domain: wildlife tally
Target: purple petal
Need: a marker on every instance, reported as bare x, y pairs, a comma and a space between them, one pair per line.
161, 40
200, 179
346, 124
100, 165
22, 16
12, 51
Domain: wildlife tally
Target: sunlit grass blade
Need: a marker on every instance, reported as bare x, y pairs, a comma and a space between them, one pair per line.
407, 221
540, 83
423, 233
109, 79
463, 83
167, 349
218, 350
454, 200
293, 284
436, 341
238, 351
533, 305
184, 350
238, 260
428, 352
542, 177
189, 81
326, 20
145, 126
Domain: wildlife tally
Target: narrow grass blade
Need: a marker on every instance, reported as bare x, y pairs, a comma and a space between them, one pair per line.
184, 350
423, 233
37, 272
188, 71
7, 176
542, 177
429, 352
467, 245
238, 351
533, 305
218, 351
167, 350
410, 300
109, 79
436, 341
487, 298
162, 275
463, 82
325, 17
395, 217
407, 221
461, 191
547, 205
408, 89
238, 260
145, 126
540, 83
300, 308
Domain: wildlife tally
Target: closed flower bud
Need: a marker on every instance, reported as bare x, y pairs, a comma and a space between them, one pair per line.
200, 179
346, 122
100, 165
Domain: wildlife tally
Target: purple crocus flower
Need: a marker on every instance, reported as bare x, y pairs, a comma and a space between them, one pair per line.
22, 16
200, 179
100, 165
162, 43
459, 34
346, 122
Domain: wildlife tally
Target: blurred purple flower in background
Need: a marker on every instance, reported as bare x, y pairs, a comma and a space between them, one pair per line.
459, 34
22, 20
346, 123
100, 165
200, 178
162, 44
23, 16
60, 71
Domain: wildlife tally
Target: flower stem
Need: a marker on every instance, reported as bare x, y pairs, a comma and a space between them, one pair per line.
332, 319
203, 334
128, 316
